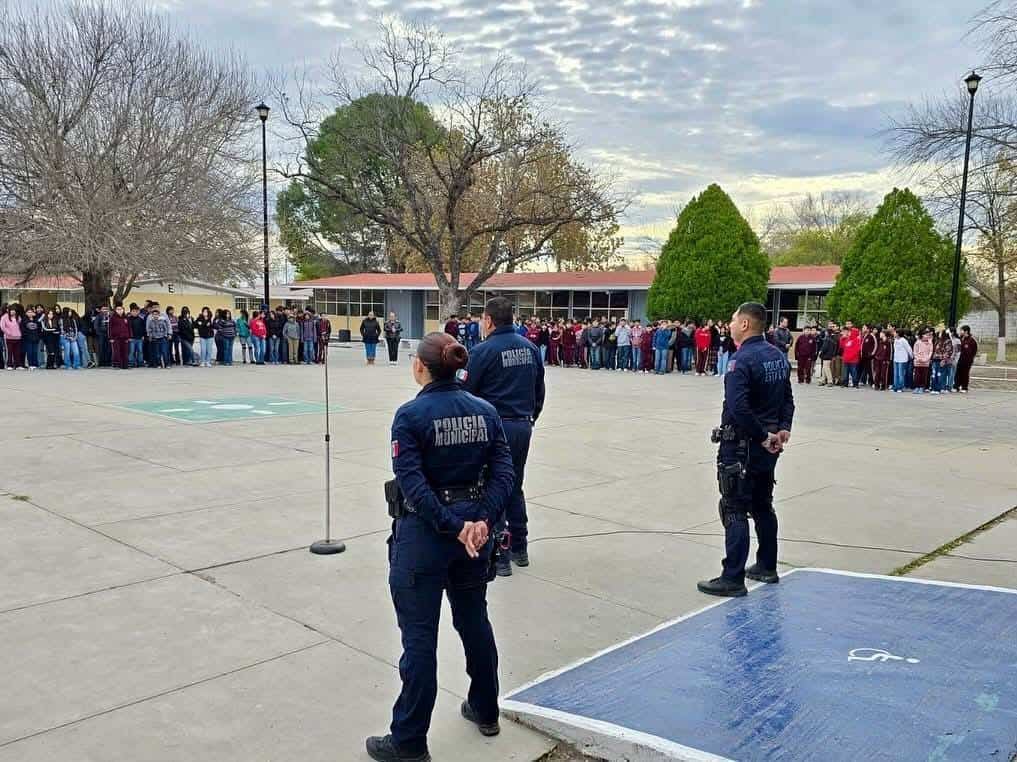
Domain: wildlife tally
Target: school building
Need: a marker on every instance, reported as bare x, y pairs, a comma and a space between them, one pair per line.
66, 291
797, 293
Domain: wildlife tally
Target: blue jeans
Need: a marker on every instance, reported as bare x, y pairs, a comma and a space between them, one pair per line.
227, 350
686, 359
624, 357
595, 358
610, 355
186, 352
938, 376
637, 358
135, 353
660, 361
722, 360
951, 375
72, 356
309, 350
207, 349
273, 348
31, 350
371, 349
900, 373
850, 374
84, 356
159, 352
259, 349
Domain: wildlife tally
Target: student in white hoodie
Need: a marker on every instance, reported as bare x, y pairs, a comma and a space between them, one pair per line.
902, 355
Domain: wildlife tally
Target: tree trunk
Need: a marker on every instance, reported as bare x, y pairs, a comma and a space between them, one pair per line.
98, 287
1001, 312
450, 304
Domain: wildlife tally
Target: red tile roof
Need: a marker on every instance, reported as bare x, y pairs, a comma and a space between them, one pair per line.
621, 279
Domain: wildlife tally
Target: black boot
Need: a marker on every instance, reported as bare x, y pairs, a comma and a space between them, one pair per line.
503, 566
759, 574
520, 558
722, 587
384, 749
486, 728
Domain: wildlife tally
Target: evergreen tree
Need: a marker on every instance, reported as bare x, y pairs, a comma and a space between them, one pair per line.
899, 269
710, 264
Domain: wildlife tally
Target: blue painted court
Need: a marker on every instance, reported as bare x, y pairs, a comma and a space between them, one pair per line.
822, 666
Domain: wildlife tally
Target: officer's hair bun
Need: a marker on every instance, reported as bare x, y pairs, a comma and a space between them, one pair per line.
454, 356
442, 355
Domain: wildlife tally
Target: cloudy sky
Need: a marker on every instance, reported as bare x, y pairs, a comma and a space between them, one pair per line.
770, 98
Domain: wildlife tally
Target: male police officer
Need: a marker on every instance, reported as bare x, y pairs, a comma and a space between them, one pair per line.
755, 426
505, 369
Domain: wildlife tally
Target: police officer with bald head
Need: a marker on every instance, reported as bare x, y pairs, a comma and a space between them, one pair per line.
506, 370
755, 427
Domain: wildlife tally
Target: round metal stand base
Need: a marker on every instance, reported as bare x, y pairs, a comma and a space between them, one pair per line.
327, 547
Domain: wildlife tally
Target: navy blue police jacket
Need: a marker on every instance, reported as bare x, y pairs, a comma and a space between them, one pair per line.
444, 438
506, 370
757, 397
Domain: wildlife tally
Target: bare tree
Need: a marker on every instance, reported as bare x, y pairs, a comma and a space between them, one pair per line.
123, 149
991, 212
490, 190
814, 229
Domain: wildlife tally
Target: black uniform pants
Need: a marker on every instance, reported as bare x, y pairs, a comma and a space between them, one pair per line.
423, 565
393, 349
518, 433
755, 499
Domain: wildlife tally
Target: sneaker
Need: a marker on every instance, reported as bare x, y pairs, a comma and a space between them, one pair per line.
384, 749
486, 728
759, 574
503, 567
520, 558
722, 587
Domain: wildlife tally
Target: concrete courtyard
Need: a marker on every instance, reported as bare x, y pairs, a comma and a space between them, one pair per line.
159, 603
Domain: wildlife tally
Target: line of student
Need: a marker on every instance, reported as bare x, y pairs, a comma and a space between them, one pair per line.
925, 359
37, 337
663, 346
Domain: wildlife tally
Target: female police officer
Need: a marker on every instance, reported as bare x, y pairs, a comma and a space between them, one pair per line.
454, 469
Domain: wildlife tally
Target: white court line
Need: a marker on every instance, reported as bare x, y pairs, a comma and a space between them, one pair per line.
263, 412
646, 740
912, 580
177, 410
278, 404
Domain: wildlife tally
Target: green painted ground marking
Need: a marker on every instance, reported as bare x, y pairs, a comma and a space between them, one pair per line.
209, 409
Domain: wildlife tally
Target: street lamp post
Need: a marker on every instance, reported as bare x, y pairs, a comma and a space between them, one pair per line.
971, 81
263, 110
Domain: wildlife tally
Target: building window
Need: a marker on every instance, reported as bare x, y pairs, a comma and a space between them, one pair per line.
352, 302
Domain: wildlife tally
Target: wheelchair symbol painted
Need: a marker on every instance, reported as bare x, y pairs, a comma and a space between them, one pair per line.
877, 654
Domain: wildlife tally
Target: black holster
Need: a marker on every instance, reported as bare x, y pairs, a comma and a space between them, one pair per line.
394, 498
733, 482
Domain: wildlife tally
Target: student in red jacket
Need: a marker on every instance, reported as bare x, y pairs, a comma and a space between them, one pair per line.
968, 352
805, 354
882, 358
554, 345
119, 333
851, 352
703, 338
568, 342
866, 372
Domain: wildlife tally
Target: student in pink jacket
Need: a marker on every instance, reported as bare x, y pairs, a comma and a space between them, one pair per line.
10, 327
923, 360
